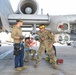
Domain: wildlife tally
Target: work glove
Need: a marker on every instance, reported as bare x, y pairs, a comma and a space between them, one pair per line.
36, 37
21, 37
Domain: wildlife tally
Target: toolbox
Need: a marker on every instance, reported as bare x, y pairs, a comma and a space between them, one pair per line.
60, 61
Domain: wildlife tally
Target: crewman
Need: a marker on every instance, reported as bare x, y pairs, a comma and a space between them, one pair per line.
46, 40
18, 47
28, 44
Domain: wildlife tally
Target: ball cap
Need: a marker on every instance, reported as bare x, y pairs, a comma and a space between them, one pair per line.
19, 20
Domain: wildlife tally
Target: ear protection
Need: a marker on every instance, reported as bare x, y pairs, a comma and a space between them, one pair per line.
42, 26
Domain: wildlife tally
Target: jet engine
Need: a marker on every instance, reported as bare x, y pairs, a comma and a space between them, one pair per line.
28, 7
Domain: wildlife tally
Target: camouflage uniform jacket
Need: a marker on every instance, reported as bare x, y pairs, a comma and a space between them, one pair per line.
48, 37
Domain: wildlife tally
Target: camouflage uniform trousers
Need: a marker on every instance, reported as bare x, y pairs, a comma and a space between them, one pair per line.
49, 51
27, 54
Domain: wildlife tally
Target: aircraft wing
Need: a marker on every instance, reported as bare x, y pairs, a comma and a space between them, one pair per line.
28, 11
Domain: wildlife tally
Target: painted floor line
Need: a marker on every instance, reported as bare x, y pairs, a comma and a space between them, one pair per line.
5, 54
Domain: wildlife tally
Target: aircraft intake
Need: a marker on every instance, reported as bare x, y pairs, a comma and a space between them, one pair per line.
28, 7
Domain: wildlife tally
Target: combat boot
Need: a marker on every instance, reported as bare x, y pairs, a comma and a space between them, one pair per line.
55, 65
18, 68
24, 67
47, 58
36, 65
51, 61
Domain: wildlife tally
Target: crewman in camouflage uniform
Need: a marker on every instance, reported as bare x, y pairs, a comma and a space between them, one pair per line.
28, 44
17, 36
46, 41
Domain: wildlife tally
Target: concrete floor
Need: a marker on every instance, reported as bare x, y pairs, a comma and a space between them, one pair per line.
67, 53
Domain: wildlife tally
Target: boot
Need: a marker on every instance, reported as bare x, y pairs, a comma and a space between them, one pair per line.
24, 67
47, 58
18, 68
51, 61
55, 65
36, 65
